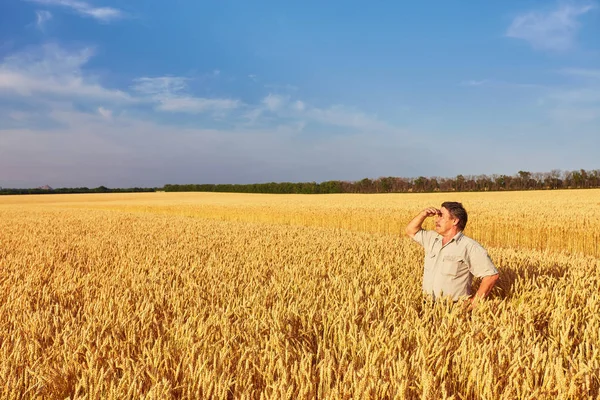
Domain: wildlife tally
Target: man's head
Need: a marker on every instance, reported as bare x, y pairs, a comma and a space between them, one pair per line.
453, 217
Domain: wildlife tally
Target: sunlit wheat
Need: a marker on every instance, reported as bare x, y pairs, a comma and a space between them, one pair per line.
164, 295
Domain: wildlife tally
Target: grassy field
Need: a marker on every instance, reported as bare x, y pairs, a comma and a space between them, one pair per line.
196, 295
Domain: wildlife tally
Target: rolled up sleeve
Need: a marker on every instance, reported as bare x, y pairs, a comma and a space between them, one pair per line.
480, 263
424, 238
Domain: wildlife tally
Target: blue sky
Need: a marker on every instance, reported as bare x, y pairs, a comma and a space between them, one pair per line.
144, 93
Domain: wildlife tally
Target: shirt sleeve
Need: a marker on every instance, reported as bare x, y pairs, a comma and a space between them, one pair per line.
424, 238
480, 262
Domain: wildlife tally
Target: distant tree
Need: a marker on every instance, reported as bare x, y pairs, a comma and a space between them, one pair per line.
459, 183
523, 179
419, 184
483, 183
433, 185
584, 178
500, 182
365, 185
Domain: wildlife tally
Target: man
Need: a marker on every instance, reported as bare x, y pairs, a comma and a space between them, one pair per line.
451, 258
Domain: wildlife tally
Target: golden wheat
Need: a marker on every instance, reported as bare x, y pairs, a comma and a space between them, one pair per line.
163, 295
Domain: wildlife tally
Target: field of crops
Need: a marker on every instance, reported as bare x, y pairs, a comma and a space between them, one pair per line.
198, 296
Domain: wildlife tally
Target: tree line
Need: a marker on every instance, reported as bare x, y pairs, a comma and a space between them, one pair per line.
522, 180
99, 189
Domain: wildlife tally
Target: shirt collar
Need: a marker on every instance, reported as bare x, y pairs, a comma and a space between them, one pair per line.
456, 237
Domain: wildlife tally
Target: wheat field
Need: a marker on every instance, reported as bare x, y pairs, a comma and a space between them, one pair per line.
238, 296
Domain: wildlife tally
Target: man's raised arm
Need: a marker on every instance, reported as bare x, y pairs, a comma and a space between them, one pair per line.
414, 226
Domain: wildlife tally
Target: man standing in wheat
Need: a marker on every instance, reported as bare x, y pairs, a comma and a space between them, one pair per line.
451, 258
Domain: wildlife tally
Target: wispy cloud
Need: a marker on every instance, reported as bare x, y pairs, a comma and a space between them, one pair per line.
299, 105
71, 118
196, 104
41, 17
342, 116
106, 113
102, 14
53, 71
500, 84
170, 94
160, 85
553, 30
474, 82
274, 102
298, 114
582, 73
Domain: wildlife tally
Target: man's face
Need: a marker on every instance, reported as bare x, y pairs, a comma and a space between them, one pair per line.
444, 222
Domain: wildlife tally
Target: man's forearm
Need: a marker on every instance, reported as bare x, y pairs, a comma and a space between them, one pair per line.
486, 286
415, 225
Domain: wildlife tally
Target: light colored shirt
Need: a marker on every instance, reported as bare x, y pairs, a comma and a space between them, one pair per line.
449, 269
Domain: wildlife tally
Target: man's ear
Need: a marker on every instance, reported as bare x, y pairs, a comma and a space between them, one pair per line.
455, 221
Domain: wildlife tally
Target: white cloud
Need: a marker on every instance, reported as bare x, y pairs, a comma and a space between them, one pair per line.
553, 30
500, 84
106, 113
51, 73
253, 115
474, 82
81, 122
346, 117
196, 104
102, 14
274, 102
160, 85
169, 93
299, 105
41, 17
298, 113
52, 70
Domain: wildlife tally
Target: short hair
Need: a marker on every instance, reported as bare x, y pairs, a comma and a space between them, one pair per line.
457, 211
